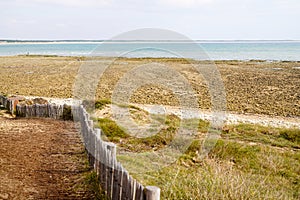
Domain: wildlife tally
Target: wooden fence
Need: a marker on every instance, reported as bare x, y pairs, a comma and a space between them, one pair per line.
40, 110
113, 178
7, 103
36, 110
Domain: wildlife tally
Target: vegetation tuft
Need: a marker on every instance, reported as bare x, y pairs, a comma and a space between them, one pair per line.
93, 183
99, 104
280, 137
248, 162
116, 134
111, 130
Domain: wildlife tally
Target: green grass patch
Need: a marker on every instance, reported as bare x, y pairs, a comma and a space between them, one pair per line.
111, 130
243, 155
247, 162
292, 135
232, 171
90, 105
116, 134
280, 137
157, 141
201, 125
100, 104
213, 179
93, 184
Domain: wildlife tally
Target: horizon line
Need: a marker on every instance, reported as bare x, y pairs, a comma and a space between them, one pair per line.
142, 40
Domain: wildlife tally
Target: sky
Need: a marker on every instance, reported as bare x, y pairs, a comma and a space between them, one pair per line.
104, 19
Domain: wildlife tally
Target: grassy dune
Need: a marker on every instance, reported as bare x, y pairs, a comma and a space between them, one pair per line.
247, 162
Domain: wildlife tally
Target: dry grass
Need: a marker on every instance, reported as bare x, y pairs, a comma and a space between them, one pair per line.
217, 179
129, 143
233, 170
248, 162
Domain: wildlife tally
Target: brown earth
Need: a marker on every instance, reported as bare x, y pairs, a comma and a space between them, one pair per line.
42, 159
260, 87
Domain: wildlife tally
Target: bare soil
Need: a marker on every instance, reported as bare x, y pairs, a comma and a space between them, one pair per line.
41, 159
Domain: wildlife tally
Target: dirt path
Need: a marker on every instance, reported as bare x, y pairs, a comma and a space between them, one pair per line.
41, 159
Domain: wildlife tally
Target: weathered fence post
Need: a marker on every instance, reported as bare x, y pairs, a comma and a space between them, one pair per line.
92, 143
152, 193
105, 163
117, 181
139, 191
112, 150
102, 165
125, 179
97, 153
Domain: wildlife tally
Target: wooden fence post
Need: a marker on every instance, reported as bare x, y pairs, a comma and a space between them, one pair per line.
27, 111
111, 147
139, 191
103, 164
152, 193
97, 149
117, 181
92, 143
125, 178
105, 169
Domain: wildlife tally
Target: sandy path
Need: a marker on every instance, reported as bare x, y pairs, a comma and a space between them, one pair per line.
41, 159
229, 118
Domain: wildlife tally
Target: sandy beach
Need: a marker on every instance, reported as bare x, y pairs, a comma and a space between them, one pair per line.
252, 87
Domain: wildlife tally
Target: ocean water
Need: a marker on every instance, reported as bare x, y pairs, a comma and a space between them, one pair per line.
200, 50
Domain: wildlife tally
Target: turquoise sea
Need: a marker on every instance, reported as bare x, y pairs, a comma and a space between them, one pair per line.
201, 50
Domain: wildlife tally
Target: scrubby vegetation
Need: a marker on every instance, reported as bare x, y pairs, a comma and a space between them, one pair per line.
92, 184
247, 162
116, 134
99, 104
280, 137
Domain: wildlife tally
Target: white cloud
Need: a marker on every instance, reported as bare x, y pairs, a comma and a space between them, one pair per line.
200, 19
185, 3
72, 3
60, 25
21, 21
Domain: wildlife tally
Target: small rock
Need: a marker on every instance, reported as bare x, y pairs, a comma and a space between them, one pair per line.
4, 196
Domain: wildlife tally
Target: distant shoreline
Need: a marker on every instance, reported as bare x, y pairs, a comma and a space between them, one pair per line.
144, 58
7, 42
268, 50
